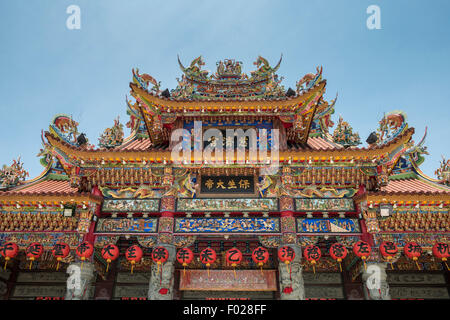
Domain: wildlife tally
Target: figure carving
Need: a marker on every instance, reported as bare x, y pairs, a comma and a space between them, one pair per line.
309, 80
194, 69
12, 175
264, 69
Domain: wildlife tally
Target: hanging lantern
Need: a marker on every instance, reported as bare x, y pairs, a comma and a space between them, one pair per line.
84, 251
312, 254
60, 251
9, 250
207, 257
441, 251
388, 250
34, 251
338, 252
286, 254
184, 257
134, 255
260, 256
362, 249
413, 251
233, 257
160, 255
110, 252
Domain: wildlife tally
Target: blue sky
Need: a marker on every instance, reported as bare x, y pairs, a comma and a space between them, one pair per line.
46, 68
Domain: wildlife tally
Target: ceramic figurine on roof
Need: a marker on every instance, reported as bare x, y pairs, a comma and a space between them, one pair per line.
343, 134
12, 175
229, 68
112, 137
309, 80
65, 127
145, 79
194, 70
443, 172
390, 126
322, 119
264, 69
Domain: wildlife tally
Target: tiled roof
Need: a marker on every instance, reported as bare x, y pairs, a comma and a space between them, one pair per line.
44, 187
314, 143
141, 145
413, 185
318, 143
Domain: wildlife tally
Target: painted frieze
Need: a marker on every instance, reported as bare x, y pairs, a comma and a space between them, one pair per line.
267, 204
123, 205
330, 204
126, 225
327, 225
228, 225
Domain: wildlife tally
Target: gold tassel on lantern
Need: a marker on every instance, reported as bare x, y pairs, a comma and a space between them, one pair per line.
444, 260
417, 263
184, 268
57, 264
260, 264
389, 258
313, 262
340, 265
157, 269
364, 260
31, 262
234, 270
287, 265
108, 261
207, 267
6, 262
132, 266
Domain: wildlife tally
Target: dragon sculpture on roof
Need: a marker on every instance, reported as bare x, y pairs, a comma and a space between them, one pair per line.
11, 176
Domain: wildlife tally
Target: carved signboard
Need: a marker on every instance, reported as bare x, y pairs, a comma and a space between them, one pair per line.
134, 205
219, 186
331, 225
225, 280
126, 225
229, 225
221, 205
322, 204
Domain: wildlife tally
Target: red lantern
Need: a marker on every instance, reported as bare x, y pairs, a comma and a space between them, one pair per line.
85, 250
442, 251
338, 252
9, 250
362, 249
312, 254
134, 255
184, 257
34, 251
413, 251
207, 257
286, 254
233, 257
260, 256
388, 250
110, 252
60, 251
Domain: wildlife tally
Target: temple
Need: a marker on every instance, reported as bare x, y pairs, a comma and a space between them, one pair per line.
165, 214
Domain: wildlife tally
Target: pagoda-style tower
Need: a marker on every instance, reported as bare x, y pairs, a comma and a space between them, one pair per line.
321, 189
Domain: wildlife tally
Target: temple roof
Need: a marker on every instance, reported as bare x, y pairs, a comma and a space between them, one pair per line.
416, 185
53, 187
318, 147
